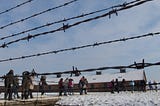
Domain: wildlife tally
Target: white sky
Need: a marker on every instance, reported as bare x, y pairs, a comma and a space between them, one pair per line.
136, 21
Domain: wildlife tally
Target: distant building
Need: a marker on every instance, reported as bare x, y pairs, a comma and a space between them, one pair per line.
100, 82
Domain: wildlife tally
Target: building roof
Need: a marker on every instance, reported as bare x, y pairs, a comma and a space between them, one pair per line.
128, 76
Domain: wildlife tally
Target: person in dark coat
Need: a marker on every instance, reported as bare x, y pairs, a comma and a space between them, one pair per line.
83, 83
111, 86
116, 84
25, 84
42, 84
8, 83
80, 85
123, 85
16, 87
61, 86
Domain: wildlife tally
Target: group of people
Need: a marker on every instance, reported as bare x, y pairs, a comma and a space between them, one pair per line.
123, 85
115, 85
11, 84
66, 86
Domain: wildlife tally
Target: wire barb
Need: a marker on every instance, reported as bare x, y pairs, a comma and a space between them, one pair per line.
4, 45
65, 27
123, 39
29, 37
95, 44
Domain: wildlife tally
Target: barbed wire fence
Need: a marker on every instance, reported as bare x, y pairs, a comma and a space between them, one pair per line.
135, 65
68, 19
67, 26
114, 10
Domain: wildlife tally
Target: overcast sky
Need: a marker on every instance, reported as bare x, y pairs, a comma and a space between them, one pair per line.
132, 22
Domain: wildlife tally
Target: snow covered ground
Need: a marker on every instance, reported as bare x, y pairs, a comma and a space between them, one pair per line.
149, 98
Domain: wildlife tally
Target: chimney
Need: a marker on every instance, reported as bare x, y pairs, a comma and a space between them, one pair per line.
122, 70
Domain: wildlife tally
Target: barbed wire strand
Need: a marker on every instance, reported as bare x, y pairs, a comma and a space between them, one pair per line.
67, 19
37, 14
67, 26
83, 46
19, 5
132, 66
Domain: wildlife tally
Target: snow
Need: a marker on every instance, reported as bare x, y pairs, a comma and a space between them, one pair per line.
149, 98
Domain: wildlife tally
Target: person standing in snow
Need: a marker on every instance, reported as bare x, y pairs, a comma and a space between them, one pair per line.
8, 83
111, 86
80, 85
31, 86
123, 85
132, 85
116, 85
61, 87
65, 83
83, 85
42, 84
16, 87
25, 84
70, 86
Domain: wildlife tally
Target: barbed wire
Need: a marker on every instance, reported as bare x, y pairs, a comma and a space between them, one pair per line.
67, 19
34, 15
67, 26
135, 65
132, 66
12, 8
83, 46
